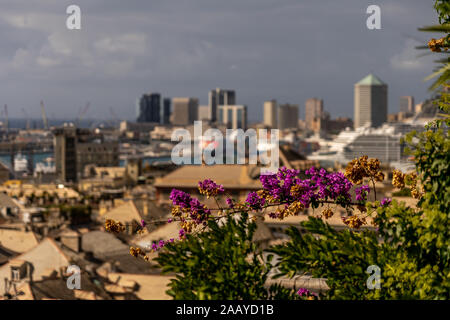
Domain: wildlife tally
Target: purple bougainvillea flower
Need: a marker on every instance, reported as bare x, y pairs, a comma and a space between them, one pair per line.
230, 203
386, 201
361, 193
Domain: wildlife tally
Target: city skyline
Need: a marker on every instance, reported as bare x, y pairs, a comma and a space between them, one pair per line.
113, 59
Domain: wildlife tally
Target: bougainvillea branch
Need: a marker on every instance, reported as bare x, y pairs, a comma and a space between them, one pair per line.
282, 194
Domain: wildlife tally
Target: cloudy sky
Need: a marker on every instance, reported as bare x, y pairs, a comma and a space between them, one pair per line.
288, 50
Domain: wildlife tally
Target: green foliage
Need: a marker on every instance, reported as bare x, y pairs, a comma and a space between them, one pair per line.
405, 192
342, 257
443, 71
443, 10
412, 249
220, 263
431, 151
421, 240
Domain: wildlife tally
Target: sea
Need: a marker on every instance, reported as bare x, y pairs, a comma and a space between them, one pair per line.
41, 157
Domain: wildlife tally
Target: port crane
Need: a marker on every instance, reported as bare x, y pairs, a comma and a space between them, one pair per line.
27, 118
115, 120
6, 119
44, 116
82, 113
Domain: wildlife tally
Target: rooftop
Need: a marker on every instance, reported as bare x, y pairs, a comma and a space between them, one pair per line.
17, 240
125, 212
46, 255
151, 287
230, 176
370, 80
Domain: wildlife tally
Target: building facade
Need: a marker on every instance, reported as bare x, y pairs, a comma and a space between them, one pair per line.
76, 148
167, 103
148, 108
185, 111
370, 102
203, 113
407, 104
271, 114
288, 116
313, 113
219, 97
235, 116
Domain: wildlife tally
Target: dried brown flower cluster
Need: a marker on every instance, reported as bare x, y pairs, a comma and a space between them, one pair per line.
415, 193
176, 211
436, 45
292, 210
411, 179
114, 226
239, 206
295, 208
188, 225
327, 213
296, 190
266, 195
354, 221
363, 167
136, 252
398, 179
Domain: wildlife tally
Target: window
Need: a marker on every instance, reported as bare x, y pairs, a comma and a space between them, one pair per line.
220, 115
230, 116
15, 274
239, 118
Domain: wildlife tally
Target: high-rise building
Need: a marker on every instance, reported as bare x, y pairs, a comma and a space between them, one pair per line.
418, 107
167, 102
313, 112
203, 113
235, 116
219, 97
185, 111
271, 114
148, 108
407, 104
370, 102
320, 123
76, 148
288, 116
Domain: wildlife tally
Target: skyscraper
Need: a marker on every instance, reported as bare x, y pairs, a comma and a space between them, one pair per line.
185, 111
219, 97
288, 116
148, 108
235, 116
313, 112
370, 102
166, 110
407, 104
271, 114
75, 148
203, 113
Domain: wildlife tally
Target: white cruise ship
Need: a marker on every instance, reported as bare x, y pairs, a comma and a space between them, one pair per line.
20, 163
48, 167
382, 143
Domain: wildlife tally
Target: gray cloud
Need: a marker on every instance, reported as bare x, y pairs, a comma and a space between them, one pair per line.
287, 50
